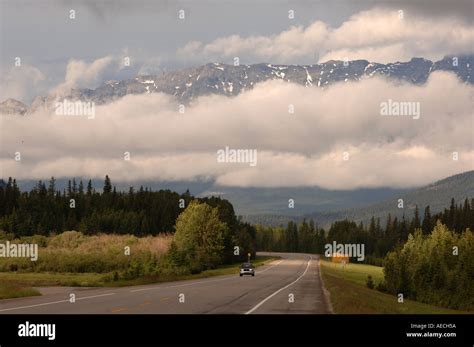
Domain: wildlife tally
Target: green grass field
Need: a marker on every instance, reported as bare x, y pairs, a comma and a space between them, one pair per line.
350, 294
17, 284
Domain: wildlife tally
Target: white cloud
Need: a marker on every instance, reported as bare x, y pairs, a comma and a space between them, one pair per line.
300, 149
80, 74
21, 82
376, 35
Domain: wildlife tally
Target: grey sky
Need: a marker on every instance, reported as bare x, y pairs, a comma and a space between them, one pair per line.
41, 33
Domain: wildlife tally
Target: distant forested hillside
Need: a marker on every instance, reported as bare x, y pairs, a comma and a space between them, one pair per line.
379, 238
437, 195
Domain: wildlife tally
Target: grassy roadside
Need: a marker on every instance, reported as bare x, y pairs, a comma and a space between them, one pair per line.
14, 285
8, 291
349, 293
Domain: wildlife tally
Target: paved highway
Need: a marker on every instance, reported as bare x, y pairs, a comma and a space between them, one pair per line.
291, 284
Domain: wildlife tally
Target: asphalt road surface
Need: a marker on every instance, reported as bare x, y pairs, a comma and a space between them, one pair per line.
291, 284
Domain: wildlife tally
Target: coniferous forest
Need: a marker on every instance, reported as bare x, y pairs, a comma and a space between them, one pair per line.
45, 210
378, 239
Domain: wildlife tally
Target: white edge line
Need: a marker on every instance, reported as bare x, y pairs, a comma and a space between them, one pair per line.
52, 303
279, 290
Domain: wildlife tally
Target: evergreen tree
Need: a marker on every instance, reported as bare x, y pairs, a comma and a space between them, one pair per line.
416, 220
451, 216
108, 185
52, 187
372, 227
426, 225
89, 188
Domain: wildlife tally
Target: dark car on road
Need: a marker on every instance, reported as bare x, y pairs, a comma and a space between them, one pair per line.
247, 269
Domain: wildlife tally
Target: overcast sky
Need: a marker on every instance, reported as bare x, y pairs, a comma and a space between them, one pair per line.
306, 149
152, 35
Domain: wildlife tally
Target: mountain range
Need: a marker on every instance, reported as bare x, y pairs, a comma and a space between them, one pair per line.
215, 78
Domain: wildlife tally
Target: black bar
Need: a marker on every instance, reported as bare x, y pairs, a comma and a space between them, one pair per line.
241, 329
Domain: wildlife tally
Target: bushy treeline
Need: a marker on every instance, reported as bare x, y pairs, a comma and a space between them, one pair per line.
208, 221
305, 238
437, 269
207, 234
74, 252
458, 217
45, 210
378, 239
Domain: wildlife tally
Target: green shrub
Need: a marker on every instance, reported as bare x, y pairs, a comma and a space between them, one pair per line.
381, 287
200, 236
370, 282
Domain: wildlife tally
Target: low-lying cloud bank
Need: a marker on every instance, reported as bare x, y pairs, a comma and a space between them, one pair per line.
304, 148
